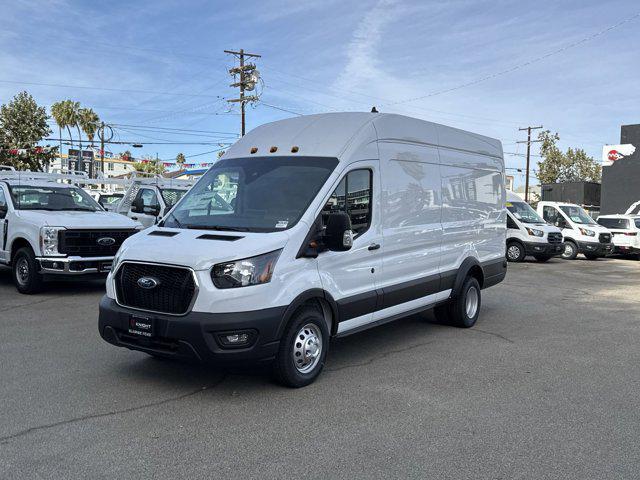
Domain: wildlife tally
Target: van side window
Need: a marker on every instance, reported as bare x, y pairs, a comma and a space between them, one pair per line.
549, 214
149, 198
353, 196
3, 201
511, 223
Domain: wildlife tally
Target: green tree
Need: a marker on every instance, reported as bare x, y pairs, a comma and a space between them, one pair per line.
149, 166
126, 155
557, 166
181, 159
89, 122
22, 125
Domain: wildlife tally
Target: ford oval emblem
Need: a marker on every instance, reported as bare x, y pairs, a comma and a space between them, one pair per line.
106, 241
148, 282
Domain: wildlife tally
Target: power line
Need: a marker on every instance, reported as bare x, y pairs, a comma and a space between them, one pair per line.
521, 65
131, 142
121, 90
280, 108
151, 127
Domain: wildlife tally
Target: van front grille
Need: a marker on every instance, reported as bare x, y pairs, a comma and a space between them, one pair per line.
168, 289
554, 237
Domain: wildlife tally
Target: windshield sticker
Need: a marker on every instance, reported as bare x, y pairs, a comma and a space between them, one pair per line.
509, 204
282, 224
576, 219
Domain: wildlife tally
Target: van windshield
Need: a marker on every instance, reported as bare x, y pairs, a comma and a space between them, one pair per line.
577, 215
252, 194
523, 212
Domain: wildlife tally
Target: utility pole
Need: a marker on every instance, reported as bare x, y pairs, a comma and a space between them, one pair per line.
249, 76
528, 142
102, 142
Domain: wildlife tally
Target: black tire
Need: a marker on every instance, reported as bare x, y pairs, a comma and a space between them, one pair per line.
591, 256
455, 312
542, 258
304, 328
515, 252
570, 251
24, 269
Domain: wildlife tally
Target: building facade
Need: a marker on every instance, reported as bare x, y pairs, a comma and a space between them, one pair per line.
621, 180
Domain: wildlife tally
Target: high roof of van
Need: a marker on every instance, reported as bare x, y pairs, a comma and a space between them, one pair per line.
333, 134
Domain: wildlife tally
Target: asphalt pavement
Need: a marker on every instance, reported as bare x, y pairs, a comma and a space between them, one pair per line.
547, 385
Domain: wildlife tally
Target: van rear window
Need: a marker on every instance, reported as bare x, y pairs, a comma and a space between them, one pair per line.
616, 223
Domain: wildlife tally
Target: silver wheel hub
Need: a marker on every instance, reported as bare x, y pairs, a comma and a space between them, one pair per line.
472, 301
568, 250
307, 348
22, 271
513, 252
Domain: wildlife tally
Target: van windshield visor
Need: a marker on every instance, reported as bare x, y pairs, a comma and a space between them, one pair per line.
257, 194
27, 197
523, 212
577, 215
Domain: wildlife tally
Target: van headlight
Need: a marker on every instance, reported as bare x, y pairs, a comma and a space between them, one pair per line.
587, 232
245, 272
49, 240
534, 232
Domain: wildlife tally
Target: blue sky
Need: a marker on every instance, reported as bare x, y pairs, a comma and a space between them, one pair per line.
320, 56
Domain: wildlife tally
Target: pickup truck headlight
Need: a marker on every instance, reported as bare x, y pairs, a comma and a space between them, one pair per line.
534, 232
49, 240
245, 272
587, 232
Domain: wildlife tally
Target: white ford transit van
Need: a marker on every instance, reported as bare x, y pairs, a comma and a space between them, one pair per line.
337, 222
529, 234
581, 232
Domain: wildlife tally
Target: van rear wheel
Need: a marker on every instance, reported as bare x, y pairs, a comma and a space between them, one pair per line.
303, 349
463, 310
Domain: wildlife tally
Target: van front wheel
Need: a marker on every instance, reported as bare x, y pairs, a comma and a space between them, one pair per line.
463, 310
570, 251
515, 252
303, 349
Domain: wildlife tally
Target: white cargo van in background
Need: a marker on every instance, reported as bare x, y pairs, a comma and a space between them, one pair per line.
581, 232
331, 224
529, 234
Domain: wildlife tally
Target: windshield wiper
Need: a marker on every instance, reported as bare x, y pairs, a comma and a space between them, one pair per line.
80, 209
218, 227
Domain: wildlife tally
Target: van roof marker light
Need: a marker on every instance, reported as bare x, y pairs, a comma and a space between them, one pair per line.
295, 149
273, 149
254, 150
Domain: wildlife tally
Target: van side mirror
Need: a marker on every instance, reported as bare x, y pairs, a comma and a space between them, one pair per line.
560, 223
338, 236
3, 211
153, 210
137, 206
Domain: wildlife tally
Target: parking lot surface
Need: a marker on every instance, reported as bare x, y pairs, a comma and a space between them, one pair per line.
545, 386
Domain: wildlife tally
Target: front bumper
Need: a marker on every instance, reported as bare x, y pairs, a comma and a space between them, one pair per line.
542, 248
195, 336
75, 265
593, 248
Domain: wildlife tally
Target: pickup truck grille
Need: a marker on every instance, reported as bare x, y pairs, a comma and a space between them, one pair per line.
173, 292
554, 237
92, 243
605, 238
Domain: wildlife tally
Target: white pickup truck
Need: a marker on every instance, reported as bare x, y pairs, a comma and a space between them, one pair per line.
50, 228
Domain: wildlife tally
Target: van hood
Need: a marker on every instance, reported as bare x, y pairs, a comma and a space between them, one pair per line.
76, 219
198, 249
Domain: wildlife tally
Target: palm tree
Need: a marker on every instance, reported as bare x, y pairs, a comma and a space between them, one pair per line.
180, 160
69, 112
57, 112
89, 121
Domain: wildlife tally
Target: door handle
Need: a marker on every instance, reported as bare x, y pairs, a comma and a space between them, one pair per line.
374, 246
134, 218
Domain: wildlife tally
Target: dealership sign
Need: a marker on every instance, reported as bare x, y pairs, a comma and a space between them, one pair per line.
613, 153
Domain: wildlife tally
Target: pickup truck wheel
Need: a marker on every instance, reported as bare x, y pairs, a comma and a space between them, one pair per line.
515, 252
26, 277
570, 251
303, 349
462, 311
